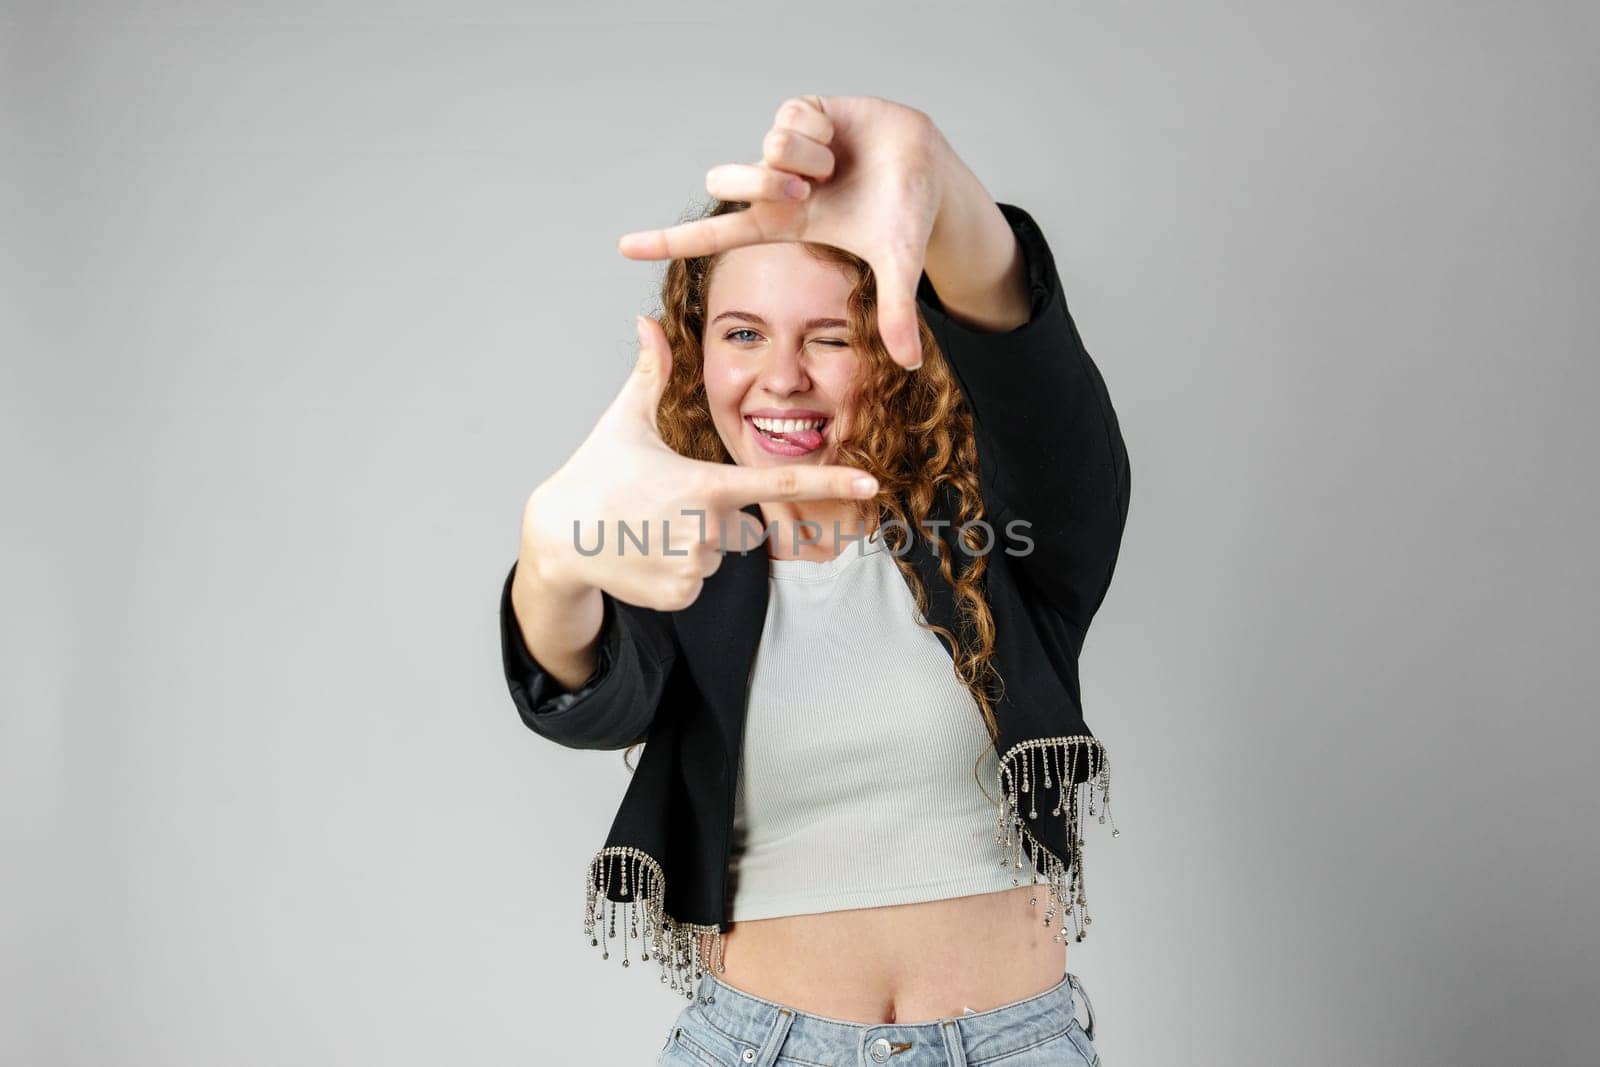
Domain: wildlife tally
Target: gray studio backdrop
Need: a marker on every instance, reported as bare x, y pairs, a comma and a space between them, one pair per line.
285, 285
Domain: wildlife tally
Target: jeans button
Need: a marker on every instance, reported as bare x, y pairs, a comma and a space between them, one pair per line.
748, 1055
879, 1050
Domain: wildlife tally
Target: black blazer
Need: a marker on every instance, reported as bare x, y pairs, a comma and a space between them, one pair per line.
1050, 452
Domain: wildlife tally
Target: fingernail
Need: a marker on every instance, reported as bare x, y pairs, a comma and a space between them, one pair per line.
638, 325
795, 189
865, 484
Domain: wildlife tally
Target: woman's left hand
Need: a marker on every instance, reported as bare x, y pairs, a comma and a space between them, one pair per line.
857, 172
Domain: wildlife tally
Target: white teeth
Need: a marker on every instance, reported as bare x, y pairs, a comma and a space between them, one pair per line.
786, 425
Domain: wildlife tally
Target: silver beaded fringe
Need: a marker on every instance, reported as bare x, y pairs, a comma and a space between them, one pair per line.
1032, 767
678, 946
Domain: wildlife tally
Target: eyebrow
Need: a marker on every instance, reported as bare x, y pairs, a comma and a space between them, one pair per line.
750, 316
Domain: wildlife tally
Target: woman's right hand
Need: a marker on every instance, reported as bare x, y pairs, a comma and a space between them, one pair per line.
625, 472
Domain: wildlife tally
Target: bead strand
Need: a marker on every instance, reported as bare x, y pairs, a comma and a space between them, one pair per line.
1075, 801
641, 892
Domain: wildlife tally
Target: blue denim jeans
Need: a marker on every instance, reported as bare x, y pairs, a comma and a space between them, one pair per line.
727, 1027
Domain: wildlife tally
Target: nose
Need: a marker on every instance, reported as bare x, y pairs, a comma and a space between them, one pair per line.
784, 370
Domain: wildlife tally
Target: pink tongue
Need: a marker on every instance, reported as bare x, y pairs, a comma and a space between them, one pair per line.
806, 439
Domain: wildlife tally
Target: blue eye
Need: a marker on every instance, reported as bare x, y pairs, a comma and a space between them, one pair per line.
740, 330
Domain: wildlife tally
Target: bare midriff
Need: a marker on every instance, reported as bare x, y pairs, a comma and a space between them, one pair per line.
906, 963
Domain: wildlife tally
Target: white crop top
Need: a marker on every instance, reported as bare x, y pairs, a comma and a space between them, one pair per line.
856, 786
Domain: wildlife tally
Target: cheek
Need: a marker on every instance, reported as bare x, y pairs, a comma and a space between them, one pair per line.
726, 383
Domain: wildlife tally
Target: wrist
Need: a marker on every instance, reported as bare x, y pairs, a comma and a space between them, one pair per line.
547, 561
538, 570
973, 260
962, 198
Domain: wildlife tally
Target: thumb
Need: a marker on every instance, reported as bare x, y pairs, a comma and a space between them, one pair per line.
651, 370
897, 313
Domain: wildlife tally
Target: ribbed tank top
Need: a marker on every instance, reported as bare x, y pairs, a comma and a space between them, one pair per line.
856, 786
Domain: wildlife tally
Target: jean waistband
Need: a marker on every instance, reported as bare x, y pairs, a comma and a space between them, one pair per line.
764, 1026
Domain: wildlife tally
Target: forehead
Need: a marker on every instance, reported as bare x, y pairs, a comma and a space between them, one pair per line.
778, 277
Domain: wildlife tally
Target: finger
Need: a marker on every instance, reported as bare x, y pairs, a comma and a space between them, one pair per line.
736, 486
710, 563
735, 531
804, 114
754, 181
721, 529
793, 151
897, 311
702, 237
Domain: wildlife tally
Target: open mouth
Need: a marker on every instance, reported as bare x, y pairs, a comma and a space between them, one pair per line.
790, 436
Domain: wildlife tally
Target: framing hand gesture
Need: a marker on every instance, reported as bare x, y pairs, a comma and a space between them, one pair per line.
625, 472
856, 172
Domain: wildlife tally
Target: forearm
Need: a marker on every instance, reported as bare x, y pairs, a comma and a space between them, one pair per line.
560, 622
973, 260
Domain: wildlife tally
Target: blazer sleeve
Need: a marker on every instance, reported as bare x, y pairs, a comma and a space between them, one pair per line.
617, 704
1050, 450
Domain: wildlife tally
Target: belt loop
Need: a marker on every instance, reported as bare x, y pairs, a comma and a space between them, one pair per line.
1088, 1005
775, 1038
956, 1051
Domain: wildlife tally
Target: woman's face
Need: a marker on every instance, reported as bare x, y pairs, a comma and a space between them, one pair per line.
779, 366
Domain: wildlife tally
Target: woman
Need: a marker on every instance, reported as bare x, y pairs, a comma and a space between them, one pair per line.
881, 490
